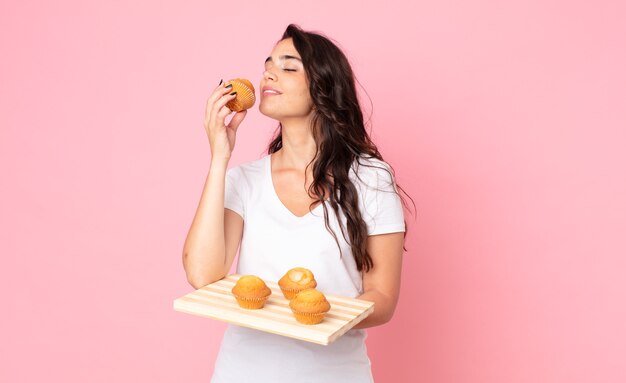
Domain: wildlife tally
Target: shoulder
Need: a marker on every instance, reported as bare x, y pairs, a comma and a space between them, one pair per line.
372, 163
372, 171
381, 202
247, 172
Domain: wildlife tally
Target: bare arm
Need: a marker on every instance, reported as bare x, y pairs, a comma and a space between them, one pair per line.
215, 232
381, 284
214, 235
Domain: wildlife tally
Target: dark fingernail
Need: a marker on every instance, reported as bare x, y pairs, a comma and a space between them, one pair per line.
221, 81
234, 93
229, 86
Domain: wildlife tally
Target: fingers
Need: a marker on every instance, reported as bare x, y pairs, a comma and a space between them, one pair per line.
236, 120
219, 92
216, 103
220, 110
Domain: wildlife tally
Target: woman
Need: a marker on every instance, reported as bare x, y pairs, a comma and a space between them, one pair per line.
323, 198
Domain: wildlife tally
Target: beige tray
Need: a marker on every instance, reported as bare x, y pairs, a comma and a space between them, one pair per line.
217, 302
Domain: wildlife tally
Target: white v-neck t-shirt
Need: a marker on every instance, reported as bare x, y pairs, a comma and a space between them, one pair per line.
274, 241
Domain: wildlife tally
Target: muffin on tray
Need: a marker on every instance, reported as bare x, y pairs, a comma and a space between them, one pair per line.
296, 280
251, 292
309, 306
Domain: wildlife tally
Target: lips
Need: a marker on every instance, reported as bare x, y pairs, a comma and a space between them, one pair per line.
269, 91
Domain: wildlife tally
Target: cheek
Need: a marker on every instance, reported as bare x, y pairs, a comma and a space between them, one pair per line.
304, 100
305, 93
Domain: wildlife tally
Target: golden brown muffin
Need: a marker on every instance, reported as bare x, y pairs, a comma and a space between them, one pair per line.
251, 292
245, 95
309, 306
296, 280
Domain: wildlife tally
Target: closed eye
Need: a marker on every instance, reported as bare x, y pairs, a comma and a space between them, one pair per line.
289, 70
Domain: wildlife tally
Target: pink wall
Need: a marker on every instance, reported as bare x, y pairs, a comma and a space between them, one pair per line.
506, 123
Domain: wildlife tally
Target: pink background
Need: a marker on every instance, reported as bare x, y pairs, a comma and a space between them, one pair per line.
505, 122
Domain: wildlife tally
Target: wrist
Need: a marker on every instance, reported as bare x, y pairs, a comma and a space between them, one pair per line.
220, 161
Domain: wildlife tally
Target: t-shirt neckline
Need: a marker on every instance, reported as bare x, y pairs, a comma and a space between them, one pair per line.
268, 172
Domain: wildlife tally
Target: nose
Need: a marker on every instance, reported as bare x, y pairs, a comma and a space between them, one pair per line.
268, 74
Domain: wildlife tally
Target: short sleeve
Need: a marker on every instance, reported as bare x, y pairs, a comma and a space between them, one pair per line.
233, 191
383, 211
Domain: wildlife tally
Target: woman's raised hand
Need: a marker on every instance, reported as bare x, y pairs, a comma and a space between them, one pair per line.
221, 136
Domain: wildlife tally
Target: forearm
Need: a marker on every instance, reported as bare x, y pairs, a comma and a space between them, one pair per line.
384, 307
204, 248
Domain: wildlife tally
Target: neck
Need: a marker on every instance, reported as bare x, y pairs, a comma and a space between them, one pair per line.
299, 147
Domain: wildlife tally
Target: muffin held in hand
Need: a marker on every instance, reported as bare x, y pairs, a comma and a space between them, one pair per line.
251, 292
245, 95
296, 280
309, 306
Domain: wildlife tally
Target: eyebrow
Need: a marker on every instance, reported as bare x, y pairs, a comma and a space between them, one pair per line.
284, 57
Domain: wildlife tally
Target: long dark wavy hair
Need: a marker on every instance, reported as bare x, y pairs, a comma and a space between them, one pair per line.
339, 134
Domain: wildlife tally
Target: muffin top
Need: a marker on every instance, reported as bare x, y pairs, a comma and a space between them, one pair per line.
298, 278
251, 286
310, 301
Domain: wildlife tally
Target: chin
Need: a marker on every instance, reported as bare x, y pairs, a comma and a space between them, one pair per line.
275, 113
269, 112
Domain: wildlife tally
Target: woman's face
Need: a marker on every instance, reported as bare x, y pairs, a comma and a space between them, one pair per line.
285, 88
